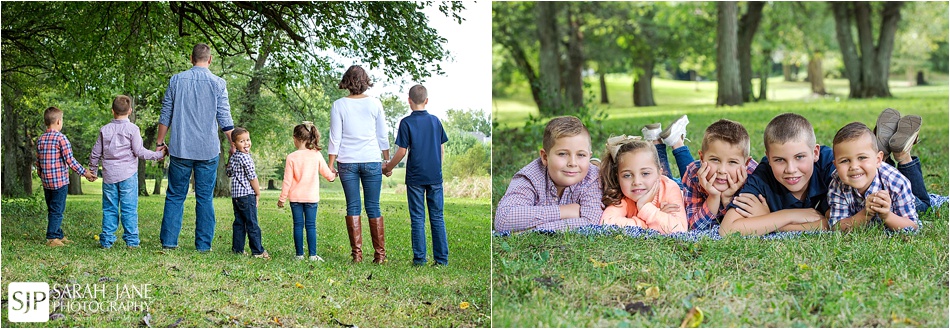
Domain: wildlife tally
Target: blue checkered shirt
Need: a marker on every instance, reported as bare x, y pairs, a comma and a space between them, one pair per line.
846, 201
241, 170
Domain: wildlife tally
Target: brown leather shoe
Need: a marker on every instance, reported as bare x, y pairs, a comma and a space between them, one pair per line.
55, 243
355, 230
65, 240
379, 239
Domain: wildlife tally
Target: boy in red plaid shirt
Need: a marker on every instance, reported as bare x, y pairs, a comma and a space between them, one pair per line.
54, 158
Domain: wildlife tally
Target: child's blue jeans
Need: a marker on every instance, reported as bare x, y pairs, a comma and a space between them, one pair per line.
55, 205
683, 159
121, 197
305, 215
432, 195
245, 224
915, 175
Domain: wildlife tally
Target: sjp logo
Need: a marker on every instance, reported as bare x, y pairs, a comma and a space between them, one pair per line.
28, 301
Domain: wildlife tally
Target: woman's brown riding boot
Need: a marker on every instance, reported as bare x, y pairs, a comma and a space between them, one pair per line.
355, 231
379, 239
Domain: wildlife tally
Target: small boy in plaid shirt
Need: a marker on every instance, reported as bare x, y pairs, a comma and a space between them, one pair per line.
54, 159
866, 188
245, 196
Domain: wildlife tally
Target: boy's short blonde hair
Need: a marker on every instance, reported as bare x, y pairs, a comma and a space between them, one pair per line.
51, 115
789, 127
122, 105
853, 131
561, 127
730, 132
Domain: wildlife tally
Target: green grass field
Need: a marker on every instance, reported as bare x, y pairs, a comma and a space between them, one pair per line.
223, 289
864, 279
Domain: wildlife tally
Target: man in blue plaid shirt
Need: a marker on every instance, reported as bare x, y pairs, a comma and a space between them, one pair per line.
867, 189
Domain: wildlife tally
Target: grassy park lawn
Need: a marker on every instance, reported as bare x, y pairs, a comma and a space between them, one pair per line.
865, 279
190, 289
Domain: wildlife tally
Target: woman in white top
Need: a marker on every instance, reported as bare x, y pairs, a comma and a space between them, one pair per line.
357, 137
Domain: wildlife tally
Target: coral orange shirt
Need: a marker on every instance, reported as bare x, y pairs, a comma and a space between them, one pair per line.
627, 213
301, 176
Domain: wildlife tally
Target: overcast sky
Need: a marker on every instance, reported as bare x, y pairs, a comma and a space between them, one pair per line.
466, 83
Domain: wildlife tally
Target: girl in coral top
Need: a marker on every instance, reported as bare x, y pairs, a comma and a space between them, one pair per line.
636, 193
302, 186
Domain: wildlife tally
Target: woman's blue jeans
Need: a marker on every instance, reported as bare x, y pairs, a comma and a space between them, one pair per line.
370, 176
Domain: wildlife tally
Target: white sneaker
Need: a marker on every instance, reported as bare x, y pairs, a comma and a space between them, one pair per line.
675, 131
299, 257
651, 132
315, 258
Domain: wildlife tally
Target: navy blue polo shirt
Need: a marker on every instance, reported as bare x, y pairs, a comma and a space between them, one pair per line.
422, 135
779, 198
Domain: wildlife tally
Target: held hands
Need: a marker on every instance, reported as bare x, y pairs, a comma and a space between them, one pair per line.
749, 205
879, 203
90, 176
388, 168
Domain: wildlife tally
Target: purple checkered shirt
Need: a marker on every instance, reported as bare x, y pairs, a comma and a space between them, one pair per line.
241, 170
846, 201
698, 215
531, 201
54, 158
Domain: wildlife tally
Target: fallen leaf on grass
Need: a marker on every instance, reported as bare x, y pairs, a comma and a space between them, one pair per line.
803, 267
95, 237
277, 321
298, 285
693, 318
653, 292
464, 305
895, 319
638, 307
330, 281
598, 263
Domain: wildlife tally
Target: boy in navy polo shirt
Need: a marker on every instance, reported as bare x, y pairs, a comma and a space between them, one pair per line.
788, 190
422, 133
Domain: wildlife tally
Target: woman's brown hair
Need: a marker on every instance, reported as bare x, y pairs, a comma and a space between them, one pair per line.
355, 80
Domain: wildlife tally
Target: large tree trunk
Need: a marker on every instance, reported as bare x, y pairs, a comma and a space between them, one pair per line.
549, 58
510, 39
816, 75
574, 87
222, 187
764, 75
75, 183
747, 27
868, 73
603, 88
17, 149
643, 83
727, 61
149, 142
920, 79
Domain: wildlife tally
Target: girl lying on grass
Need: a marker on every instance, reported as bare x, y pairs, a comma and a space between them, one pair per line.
636, 193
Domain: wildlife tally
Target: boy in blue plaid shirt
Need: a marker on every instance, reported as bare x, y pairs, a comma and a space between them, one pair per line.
866, 189
245, 196
53, 161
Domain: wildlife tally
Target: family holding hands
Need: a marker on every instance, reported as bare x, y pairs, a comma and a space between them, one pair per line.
194, 107
866, 176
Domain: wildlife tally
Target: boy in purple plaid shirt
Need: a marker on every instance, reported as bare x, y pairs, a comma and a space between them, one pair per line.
558, 191
245, 196
867, 189
54, 159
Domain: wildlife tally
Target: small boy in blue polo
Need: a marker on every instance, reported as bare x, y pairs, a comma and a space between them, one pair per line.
788, 191
422, 133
